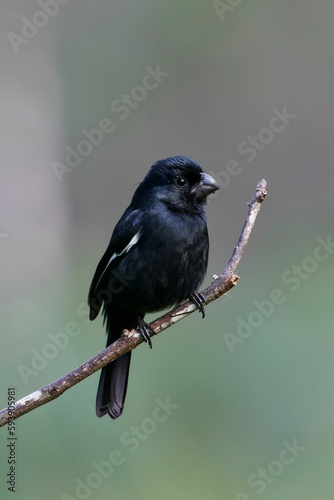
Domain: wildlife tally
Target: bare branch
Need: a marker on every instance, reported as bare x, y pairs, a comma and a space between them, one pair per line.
130, 339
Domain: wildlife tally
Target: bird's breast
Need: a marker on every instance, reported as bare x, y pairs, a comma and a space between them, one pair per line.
166, 266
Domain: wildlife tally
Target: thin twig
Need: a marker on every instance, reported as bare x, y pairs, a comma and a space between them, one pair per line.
130, 339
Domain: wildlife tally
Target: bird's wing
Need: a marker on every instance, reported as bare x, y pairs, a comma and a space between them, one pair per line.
126, 234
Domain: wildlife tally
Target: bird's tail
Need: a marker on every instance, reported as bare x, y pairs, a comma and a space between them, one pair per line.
113, 382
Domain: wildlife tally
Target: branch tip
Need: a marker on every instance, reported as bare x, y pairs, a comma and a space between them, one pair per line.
261, 190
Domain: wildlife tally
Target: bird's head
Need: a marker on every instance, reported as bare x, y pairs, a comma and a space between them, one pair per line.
179, 182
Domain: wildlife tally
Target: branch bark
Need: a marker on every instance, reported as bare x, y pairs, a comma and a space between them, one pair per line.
130, 339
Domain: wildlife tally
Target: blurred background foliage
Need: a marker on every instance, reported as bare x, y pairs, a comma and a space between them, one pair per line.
226, 74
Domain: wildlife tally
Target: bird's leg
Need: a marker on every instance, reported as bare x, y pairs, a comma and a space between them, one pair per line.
199, 301
146, 330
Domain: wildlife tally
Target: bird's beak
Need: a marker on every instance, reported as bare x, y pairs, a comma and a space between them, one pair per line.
206, 186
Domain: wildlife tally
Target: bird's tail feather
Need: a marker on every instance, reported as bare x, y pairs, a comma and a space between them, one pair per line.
112, 387
114, 376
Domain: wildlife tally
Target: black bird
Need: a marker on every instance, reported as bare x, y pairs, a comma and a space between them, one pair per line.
157, 258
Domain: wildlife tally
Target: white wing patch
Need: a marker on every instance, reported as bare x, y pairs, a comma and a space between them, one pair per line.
125, 250
128, 247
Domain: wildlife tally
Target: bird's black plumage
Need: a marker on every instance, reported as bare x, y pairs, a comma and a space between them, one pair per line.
157, 257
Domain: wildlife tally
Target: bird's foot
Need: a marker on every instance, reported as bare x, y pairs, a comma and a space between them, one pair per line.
199, 301
146, 330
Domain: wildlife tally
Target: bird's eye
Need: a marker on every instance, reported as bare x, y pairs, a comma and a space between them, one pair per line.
180, 181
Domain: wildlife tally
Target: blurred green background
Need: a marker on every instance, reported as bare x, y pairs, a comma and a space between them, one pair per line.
237, 404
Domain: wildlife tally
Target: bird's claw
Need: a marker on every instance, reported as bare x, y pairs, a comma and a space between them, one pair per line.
199, 301
146, 330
